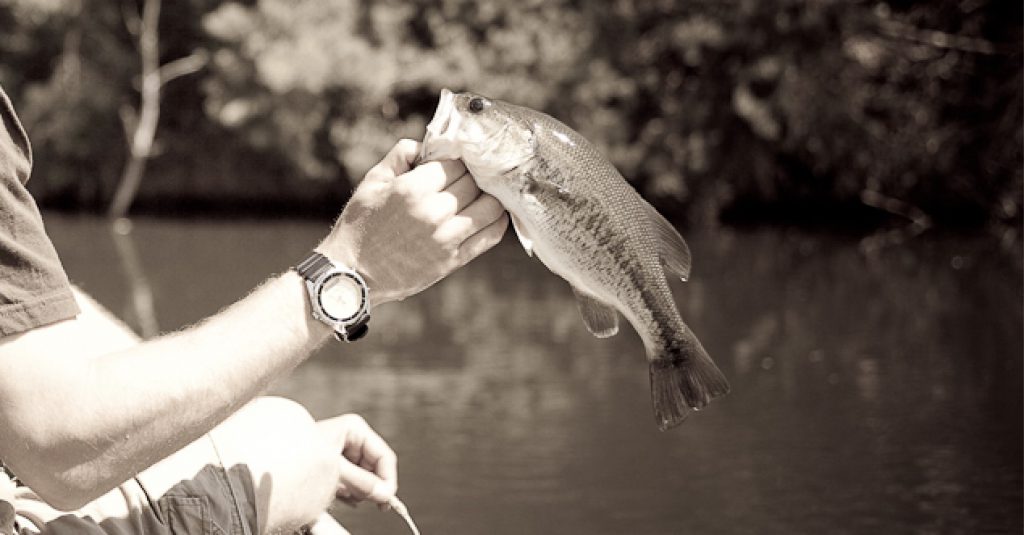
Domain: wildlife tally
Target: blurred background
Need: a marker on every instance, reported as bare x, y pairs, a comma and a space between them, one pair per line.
720, 110
848, 175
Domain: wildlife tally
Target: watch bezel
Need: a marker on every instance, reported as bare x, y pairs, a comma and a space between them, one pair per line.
321, 283
317, 270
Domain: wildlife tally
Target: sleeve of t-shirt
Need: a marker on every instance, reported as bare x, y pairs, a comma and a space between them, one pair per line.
34, 290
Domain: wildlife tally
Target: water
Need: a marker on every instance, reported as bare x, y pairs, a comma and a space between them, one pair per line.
872, 395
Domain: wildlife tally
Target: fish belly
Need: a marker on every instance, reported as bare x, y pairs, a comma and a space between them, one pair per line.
578, 256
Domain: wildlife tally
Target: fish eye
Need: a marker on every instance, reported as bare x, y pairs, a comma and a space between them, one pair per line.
476, 105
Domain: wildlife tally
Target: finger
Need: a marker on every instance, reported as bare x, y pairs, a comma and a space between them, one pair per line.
464, 191
359, 484
380, 458
480, 242
366, 448
433, 176
481, 212
443, 205
400, 158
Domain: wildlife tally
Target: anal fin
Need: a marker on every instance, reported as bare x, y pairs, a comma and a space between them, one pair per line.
601, 320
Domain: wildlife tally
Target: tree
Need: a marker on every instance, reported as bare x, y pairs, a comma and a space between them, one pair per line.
140, 124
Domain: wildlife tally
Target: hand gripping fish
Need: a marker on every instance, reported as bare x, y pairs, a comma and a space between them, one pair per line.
572, 208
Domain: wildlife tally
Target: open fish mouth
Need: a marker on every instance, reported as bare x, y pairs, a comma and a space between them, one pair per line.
442, 115
439, 143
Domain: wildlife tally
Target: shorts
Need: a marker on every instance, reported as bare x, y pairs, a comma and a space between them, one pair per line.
189, 493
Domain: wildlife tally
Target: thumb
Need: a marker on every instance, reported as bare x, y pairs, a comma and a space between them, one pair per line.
358, 484
402, 156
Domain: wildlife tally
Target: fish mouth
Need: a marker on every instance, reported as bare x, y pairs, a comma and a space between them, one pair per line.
439, 142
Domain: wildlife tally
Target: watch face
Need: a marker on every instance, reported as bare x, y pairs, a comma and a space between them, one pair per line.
341, 297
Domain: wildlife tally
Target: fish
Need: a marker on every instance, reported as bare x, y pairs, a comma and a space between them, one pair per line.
572, 208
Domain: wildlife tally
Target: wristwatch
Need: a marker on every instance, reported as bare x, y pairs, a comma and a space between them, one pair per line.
338, 296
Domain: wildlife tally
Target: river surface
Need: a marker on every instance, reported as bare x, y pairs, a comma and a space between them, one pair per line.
871, 394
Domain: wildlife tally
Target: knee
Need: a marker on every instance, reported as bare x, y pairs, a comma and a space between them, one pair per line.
283, 413
293, 470
280, 432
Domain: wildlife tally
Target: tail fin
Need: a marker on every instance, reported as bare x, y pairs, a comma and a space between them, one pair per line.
684, 382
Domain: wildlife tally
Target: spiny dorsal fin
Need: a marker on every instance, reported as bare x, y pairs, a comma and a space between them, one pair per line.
672, 248
601, 320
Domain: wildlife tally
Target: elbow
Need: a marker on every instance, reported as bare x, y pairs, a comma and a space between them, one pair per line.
61, 472
63, 488
48, 446
62, 494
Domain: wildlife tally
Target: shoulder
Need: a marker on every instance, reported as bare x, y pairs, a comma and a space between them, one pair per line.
34, 289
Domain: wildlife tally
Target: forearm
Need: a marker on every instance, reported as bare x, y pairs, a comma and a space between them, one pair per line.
77, 421
88, 424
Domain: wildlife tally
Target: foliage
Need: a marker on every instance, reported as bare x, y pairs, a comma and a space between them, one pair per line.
735, 109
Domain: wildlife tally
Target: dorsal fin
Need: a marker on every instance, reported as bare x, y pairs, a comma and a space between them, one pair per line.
672, 248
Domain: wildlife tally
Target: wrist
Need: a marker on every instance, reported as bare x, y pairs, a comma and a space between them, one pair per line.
308, 326
338, 296
344, 256
339, 253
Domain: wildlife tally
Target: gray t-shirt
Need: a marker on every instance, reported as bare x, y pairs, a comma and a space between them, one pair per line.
34, 289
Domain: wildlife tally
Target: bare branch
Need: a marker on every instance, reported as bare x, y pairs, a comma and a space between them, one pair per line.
894, 206
132, 20
919, 221
937, 39
183, 66
129, 120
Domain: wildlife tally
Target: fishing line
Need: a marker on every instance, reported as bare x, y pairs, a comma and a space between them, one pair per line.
399, 508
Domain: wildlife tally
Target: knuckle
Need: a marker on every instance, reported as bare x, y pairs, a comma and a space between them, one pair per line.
444, 204
425, 171
382, 173
442, 241
386, 454
354, 419
427, 215
444, 235
403, 185
375, 174
465, 255
407, 145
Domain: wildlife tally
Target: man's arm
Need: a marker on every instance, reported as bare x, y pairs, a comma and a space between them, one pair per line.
77, 422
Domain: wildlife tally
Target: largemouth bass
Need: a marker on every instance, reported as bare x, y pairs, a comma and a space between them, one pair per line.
575, 211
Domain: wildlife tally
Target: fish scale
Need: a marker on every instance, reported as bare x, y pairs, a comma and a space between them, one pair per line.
575, 211
632, 256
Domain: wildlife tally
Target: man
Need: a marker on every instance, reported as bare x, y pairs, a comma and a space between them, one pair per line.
162, 436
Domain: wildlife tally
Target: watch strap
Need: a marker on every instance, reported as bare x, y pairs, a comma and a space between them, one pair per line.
314, 266
355, 331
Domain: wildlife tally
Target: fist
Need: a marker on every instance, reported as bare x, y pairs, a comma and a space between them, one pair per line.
406, 228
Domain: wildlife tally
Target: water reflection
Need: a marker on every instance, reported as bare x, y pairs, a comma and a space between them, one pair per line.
870, 394
139, 309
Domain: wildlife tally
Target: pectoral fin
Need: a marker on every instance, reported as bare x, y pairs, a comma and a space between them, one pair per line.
672, 248
601, 320
521, 233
